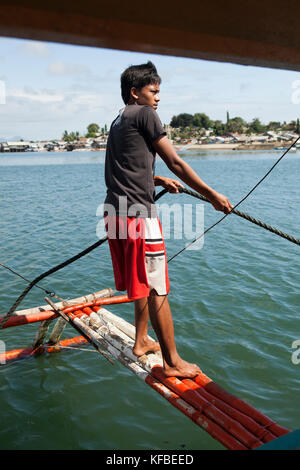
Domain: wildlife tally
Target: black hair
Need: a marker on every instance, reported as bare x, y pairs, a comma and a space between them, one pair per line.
138, 76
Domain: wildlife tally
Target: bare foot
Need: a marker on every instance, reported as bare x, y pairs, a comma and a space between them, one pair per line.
145, 346
182, 369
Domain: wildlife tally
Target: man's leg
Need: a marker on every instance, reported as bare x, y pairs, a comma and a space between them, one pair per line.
162, 322
142, 343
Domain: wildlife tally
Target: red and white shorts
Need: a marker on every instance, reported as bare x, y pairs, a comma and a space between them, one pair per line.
138, 255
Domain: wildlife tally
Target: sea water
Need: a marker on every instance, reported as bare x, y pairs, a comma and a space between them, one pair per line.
235, 302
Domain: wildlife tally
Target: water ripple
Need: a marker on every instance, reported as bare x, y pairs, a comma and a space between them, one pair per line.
234, 302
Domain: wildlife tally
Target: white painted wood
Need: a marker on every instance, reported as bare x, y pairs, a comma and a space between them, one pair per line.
80, 300
120, 323
124, 343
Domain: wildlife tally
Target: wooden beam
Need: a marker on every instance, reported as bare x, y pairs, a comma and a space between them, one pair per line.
256, 33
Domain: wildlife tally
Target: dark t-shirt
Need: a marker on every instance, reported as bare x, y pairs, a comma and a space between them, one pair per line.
130, 160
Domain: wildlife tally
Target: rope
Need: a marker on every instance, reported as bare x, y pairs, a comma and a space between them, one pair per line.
22, 277
53, 270
247, 217
45, 274
294, 240
158, 196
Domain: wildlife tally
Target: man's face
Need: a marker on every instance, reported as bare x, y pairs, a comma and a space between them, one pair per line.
149, 95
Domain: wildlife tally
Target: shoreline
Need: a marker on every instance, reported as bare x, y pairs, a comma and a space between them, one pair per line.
182, 148
237, 146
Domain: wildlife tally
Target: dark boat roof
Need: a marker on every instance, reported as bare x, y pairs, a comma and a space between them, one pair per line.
252, 33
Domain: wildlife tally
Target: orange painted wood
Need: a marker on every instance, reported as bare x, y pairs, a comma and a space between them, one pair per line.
19, 320
259, 431
17, 354
208, 409
203, 421
240, 405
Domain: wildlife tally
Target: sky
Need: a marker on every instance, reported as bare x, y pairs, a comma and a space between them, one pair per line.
47, 88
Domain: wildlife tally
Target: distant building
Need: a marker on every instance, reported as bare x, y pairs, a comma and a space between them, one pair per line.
168, 130
4, 147
18, 146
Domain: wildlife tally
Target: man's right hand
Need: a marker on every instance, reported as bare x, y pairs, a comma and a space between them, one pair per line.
182, 170
221, 202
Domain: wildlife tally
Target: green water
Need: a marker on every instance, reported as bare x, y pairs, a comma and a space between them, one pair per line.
235, 303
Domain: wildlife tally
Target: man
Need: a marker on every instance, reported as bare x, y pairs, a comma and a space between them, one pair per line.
134, 231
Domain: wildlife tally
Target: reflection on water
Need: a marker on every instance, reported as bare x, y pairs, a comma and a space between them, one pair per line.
83, 157
235, 302
238, 155
51, 158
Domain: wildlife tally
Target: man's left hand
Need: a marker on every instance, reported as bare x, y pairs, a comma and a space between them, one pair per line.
168, 183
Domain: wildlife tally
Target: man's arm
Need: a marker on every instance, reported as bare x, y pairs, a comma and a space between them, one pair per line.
169, 183
183, 171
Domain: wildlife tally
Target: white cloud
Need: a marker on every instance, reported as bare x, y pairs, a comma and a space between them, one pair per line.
60, 68
90, 100
244, 86
2, 92
36, 48
41, 96
37, 113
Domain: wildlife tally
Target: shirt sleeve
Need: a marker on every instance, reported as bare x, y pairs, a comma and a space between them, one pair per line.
150, 124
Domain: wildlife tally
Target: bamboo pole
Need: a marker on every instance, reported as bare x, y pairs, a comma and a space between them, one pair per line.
84, 299
268, 428
123, 325
129, 360
18, 320
223, 424
25, 353
261, 432
153, 365
120, 340
230, 425
57, 331
216, 431
240, 405
121, 348
236, 424
41, 333
119, 353
75, 322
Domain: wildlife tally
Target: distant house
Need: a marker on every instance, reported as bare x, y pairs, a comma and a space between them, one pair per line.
241, 138
290, 136
100, 142
4, 147
19, 146
284, 137
272, 136
259, 138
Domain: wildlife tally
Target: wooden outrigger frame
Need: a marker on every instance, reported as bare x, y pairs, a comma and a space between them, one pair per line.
228, 419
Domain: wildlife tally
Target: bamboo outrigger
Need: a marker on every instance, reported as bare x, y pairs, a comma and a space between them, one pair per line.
230, 420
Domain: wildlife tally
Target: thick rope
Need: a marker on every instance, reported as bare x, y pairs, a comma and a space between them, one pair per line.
53, 270
247, 217
243, 199
45, 274
159, 195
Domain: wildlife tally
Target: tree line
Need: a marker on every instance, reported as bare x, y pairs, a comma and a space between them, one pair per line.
93, 130
187, 125
201, 121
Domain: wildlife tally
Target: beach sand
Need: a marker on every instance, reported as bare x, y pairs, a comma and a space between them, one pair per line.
236, 146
